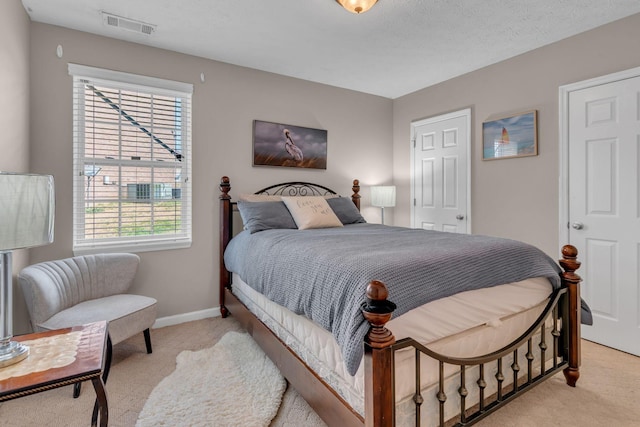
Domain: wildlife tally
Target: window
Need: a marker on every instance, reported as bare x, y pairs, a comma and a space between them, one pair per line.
132, 162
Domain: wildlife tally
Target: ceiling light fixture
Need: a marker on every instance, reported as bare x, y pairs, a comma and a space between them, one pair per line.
357, 6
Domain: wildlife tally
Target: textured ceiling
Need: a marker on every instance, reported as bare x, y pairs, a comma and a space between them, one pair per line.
397, 47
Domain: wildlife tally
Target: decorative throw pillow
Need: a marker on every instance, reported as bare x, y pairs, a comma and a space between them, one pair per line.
259, 216
345, 210
311, 212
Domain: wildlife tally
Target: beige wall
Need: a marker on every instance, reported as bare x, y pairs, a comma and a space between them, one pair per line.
515, 198
14, 117
359, 134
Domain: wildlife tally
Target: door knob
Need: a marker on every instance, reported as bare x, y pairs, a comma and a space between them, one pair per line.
577, 225
459, 217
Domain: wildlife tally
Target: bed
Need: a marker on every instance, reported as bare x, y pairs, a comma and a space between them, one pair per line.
385, 371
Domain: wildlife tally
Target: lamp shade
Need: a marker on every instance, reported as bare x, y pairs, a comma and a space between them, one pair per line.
27, 206
357, 6
383, 196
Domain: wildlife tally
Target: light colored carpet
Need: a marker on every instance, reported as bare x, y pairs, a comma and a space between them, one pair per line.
605, 395
295, 412
234, 379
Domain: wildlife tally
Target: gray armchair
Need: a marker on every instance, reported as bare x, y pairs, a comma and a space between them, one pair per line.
86, 289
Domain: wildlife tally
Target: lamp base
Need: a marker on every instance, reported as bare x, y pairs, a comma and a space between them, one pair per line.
12, 352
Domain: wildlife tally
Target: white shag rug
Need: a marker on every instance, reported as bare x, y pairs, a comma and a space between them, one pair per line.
232, 383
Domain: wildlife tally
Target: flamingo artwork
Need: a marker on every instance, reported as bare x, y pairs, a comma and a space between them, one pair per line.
293, 150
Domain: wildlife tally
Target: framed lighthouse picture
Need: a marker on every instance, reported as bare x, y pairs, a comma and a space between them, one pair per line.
277, 144
510, 136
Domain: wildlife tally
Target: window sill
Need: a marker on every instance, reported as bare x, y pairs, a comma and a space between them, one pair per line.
131, 247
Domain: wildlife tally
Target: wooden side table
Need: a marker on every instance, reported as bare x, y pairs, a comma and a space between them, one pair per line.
91, 361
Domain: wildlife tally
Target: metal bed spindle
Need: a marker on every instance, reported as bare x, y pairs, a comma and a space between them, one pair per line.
543, 348
530, 357
442, 396
555, 332
418, 400
482, 384
463, 392
515, 368
500, 379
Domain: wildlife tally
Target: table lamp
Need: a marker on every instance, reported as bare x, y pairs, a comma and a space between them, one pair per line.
383, 196
26, 220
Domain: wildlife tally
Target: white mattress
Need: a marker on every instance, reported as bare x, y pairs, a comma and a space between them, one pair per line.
467, 324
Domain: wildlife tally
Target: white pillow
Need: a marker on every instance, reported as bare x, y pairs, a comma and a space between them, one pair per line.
311, 212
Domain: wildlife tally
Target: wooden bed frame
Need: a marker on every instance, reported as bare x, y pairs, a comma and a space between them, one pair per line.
380, 344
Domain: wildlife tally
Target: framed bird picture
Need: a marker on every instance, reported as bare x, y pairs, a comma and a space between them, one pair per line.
277, 144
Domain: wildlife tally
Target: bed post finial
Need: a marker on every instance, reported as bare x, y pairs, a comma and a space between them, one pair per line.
378, 311
378, 357
355, 197
225, 187
571, 281
569, 262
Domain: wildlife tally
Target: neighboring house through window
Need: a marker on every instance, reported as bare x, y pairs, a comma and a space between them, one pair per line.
132, 162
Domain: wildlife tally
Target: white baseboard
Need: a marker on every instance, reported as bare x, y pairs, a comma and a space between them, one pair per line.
186, 317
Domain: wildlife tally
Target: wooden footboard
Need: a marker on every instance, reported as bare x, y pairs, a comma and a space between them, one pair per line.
380, 346
563, 310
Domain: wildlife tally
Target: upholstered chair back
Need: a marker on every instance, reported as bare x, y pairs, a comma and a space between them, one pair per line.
52, 286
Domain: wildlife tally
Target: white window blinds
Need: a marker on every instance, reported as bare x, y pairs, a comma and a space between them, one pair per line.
132, 162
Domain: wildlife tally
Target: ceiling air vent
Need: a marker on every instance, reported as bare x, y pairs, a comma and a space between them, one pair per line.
127, 24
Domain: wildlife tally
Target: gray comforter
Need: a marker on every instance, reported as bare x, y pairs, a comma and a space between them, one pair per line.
324, 273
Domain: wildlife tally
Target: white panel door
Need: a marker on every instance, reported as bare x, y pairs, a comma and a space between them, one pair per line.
604, 207
440, 172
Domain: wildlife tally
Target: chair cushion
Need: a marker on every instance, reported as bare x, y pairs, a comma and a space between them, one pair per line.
127, 315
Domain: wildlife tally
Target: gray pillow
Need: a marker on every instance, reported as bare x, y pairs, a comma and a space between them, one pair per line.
259, 216
345, 210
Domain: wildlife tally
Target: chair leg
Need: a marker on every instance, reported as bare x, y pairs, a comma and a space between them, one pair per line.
108, 358
147, 340
76, 390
